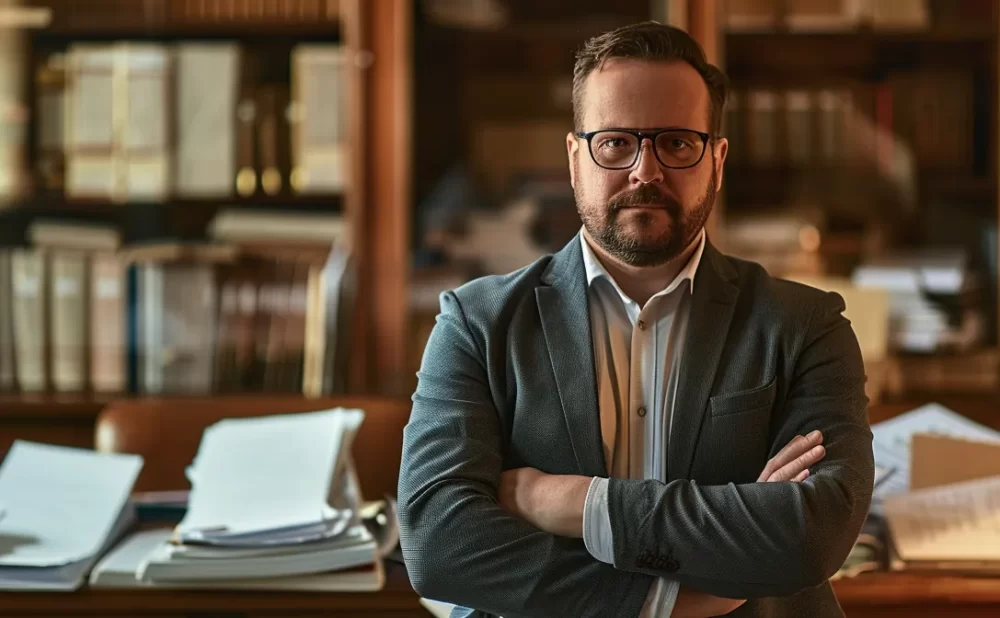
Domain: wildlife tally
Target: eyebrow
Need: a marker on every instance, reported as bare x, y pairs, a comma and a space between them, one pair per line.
649, 129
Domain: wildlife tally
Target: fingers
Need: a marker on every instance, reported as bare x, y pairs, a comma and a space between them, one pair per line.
792, 469
695, 603
801, 476
798, 447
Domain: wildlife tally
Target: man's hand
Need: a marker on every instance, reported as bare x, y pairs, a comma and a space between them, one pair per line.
790, 464
694, 604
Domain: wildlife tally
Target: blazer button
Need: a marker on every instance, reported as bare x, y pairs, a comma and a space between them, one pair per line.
641, 560
671, 566
641, 411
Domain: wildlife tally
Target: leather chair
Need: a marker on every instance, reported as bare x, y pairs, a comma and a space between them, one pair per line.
167, 432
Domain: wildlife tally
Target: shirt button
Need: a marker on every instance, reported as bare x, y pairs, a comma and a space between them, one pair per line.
641, 411
641, 325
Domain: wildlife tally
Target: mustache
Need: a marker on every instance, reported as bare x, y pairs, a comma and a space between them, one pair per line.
646, 194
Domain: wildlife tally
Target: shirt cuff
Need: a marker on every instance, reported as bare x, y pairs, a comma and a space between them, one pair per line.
661, 599
597, 522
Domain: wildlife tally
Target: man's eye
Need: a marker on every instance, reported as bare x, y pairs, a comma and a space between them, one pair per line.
616, 142
679, 144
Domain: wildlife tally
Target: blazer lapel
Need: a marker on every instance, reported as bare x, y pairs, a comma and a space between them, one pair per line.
711, 311
565, 318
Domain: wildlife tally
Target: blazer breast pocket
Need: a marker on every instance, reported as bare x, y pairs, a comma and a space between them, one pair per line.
752, 400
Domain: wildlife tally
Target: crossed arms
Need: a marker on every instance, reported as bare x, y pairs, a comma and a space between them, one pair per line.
737, 541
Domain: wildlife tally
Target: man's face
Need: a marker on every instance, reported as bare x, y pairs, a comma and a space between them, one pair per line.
647, 214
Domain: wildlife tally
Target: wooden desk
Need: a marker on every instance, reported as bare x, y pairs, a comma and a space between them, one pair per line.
868, 596
396, 600
893, 595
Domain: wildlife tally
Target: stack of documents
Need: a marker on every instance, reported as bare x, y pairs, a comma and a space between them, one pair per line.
274, 503
933, 298
941, 496
64, 507
893, 441
954, 527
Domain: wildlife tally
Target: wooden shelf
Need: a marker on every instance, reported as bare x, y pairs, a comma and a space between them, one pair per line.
770, 185
326, 31
777, 56
971, 33
29, 405
325, 203
133, 19
958, 185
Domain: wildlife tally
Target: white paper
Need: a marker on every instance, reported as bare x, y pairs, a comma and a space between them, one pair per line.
438, 609
62, 502
123, 561
892, 440
960, 521
66, 577
267, 474
882, 473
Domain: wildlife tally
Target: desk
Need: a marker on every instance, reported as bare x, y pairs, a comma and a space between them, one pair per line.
881, 595
895, 595
396, 600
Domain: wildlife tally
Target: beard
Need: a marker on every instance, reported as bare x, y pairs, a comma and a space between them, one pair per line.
604, 225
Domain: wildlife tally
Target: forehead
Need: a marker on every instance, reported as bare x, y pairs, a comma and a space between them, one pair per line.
645, 94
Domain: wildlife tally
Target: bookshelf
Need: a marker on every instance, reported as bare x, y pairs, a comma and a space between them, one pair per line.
921, 80
374, 203
924, 77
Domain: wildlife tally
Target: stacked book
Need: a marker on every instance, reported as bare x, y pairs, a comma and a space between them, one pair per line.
63, 508
274, 504
934, 299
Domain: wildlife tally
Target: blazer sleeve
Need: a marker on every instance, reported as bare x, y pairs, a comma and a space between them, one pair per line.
458, 544
766, 539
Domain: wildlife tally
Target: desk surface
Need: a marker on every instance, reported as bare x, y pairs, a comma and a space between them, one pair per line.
874, 595
913, 589
397, 598
882, 595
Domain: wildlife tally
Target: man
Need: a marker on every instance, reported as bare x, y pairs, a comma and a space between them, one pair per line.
588, 432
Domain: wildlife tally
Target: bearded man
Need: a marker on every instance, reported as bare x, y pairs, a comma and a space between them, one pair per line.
637, 425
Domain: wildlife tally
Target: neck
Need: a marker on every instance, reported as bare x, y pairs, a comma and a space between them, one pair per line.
640, 283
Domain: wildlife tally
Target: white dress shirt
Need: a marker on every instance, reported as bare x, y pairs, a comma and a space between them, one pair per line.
637, 352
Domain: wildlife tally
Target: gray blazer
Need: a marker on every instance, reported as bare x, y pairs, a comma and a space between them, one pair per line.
507, 381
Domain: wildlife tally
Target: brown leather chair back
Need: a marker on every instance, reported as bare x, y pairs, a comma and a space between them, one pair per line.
167, 432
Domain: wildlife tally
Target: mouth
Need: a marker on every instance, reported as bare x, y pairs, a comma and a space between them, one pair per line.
646, 206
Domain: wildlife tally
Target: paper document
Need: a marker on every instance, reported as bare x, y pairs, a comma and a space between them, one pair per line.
270, 476
958, 522
941, 460
892, 441
438, 609
62, 502
882, 473
65, 577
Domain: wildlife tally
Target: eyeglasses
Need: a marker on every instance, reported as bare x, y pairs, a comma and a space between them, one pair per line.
618, 149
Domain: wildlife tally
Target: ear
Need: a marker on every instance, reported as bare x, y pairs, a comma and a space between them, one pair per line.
720, 147
572, 148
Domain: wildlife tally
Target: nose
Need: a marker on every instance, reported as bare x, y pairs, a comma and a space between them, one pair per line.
647, 168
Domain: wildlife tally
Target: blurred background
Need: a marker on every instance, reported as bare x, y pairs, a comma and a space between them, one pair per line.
217, 196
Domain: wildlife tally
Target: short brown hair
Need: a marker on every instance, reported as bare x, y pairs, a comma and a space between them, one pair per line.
648, 41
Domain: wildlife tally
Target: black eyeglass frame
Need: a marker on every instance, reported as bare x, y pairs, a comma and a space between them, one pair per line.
643, 135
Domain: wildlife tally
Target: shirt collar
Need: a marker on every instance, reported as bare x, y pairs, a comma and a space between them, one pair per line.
595, 270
